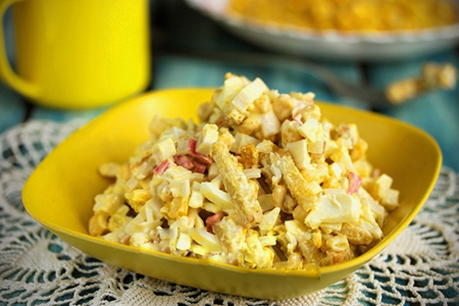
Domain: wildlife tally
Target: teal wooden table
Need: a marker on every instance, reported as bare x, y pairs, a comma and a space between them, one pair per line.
177, 26
180, 27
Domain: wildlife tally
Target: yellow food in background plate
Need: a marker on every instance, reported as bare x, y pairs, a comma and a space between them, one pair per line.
262, 182
348, 15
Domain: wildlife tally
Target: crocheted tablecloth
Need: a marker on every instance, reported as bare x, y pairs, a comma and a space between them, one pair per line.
420, 267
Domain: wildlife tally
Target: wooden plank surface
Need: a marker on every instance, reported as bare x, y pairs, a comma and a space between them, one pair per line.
187, 29
437, 112
58, 115
180, 71
12, 108
178, 26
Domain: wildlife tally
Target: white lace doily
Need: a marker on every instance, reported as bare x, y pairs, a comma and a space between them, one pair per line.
420, 267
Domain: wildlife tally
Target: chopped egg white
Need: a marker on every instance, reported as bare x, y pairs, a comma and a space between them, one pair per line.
263, 181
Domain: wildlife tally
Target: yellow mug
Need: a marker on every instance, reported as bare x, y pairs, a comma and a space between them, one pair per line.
78, 53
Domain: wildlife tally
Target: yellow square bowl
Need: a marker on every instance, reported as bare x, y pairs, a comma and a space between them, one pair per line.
60, 192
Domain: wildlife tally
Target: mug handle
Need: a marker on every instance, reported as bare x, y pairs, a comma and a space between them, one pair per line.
7, 74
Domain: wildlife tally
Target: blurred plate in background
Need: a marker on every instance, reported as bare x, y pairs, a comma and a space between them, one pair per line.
332, 44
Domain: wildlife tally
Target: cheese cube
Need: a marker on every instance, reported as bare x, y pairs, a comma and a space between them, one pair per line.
312, 130
174, 173
299, 151
265, 146
163, 149
241, 140
209, 135
289, 132
270, 125
231, 87
249, 94
196, 199
336, 206
390, 199
215, 195
180, 188
269, 219
183, 242
381, 186
317, 147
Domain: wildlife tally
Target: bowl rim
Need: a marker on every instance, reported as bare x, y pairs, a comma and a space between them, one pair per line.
27, 195
351, 37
